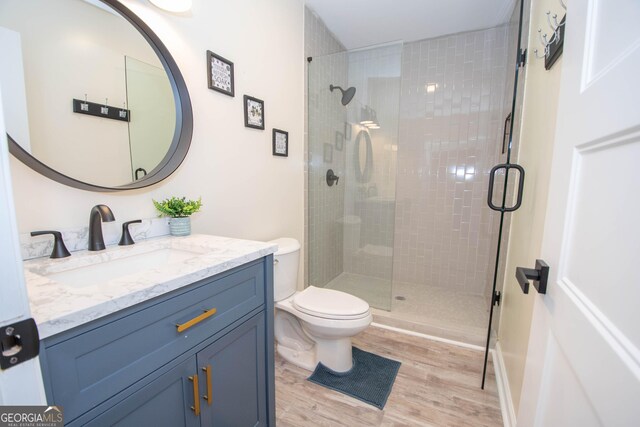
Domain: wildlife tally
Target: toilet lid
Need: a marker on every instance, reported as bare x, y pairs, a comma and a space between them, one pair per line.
330, 304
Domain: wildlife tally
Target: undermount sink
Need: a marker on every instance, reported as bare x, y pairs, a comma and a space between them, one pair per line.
104, 271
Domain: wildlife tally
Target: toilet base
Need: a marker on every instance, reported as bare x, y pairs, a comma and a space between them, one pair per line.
335, 354
305, 344
304, 359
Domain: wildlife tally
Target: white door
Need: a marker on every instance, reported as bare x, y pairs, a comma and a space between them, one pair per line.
22, 384
583, 362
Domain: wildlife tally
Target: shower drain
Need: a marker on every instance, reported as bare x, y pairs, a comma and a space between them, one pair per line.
400, 298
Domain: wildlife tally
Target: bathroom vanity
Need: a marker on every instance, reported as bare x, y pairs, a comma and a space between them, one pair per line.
187, 339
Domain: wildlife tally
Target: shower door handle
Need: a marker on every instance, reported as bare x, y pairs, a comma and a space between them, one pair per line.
492, 176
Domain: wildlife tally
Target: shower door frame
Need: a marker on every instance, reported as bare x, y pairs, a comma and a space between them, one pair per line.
495, 297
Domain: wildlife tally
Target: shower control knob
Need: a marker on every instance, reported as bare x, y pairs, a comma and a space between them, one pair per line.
332, 178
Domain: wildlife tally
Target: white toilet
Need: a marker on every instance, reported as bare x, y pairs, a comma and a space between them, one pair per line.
314, 325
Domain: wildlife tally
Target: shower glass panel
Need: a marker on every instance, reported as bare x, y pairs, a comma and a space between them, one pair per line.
351, 222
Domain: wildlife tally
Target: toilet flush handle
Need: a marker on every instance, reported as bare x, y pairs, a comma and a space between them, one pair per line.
275, 261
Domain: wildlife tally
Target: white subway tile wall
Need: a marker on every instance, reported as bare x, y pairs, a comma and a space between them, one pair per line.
451, 116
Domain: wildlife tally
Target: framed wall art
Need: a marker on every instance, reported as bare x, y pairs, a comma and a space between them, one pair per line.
220, 74
280, 143
253, 112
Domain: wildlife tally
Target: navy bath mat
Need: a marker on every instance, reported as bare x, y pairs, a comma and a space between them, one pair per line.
370, 379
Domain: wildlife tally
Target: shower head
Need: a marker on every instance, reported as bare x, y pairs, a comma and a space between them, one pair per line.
347, 95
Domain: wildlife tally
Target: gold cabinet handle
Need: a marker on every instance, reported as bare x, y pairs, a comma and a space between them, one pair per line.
196, 400
209, 396
184, 326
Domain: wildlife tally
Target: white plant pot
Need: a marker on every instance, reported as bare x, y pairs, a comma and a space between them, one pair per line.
180, 226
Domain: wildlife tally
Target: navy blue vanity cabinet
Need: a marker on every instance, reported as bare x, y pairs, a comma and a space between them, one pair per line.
164, 402
229, 390
234, 394
198, 356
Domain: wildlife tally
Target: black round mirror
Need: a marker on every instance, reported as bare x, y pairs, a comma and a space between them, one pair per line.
363, 157
96, 101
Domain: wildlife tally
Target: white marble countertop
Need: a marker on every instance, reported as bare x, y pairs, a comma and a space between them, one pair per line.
57, 306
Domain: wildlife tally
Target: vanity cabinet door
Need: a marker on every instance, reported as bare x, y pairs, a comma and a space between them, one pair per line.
166, 401
233, 370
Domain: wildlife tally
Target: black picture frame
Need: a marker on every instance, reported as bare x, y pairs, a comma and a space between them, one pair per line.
557, 47
327, 153
214, 82
250, 103
339, 141
347, 131
277, 136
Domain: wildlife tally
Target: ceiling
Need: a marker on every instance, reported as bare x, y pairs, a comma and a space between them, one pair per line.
360, 23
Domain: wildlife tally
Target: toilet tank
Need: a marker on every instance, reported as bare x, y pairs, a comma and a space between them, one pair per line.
285, 268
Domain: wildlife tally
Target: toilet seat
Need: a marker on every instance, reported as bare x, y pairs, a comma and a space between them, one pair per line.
330, 304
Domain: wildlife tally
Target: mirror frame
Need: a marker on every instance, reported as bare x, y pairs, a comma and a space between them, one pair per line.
363, 175
182, 133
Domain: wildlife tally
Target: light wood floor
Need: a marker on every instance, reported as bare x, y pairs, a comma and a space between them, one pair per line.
438, 385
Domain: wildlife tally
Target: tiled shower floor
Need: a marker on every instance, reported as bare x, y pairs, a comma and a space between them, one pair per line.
425, 309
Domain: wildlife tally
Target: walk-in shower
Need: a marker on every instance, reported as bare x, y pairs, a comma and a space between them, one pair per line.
412, 142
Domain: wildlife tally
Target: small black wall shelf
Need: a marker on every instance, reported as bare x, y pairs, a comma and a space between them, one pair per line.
101, 110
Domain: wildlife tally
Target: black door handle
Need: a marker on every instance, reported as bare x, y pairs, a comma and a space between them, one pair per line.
539, 275
492, 176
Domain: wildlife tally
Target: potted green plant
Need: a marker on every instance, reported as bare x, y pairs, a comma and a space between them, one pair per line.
179, 209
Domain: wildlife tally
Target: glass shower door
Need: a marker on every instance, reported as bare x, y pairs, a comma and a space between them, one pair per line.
507, 178
354, 137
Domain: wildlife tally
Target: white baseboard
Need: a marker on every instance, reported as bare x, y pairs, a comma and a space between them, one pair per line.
504, 392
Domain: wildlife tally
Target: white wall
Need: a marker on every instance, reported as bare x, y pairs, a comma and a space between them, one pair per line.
247, 192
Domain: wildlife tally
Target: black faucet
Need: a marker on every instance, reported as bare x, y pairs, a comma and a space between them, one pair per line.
59, 249
98, 214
